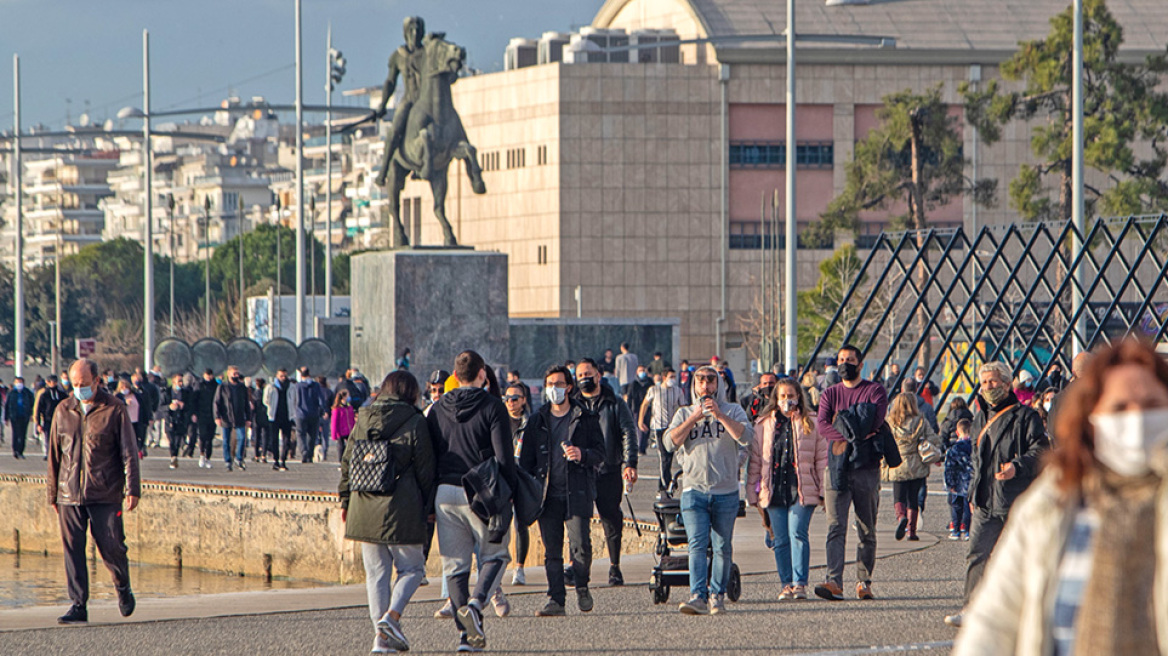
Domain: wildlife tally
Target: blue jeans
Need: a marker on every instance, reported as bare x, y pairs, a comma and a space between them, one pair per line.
792, 546
240, 443
709, 517
959, 514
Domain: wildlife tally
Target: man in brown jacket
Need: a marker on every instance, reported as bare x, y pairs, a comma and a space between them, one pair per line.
93, 464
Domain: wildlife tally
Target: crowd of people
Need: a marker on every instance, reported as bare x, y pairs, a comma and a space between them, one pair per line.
464, 461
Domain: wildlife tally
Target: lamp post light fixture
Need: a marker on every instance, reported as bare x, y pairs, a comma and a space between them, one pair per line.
207, 267
336, 72
170, 226
242, 317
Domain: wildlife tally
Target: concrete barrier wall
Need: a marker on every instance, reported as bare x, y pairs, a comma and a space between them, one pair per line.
244, 531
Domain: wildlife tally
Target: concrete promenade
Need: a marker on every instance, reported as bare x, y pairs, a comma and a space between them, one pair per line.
916, 583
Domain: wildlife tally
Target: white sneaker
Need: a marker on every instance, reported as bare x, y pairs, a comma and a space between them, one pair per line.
202, 462
954, 620
500, 602
518, 578
380, 646
446, 612
718, 604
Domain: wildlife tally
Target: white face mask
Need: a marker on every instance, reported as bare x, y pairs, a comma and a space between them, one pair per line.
555, 395
1132, 443
1046, 405
788, 405
670, 382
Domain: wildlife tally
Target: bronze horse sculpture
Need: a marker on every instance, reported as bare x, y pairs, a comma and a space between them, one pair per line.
434, 137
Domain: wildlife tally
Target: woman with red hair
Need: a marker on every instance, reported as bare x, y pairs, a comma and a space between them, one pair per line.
1082, 566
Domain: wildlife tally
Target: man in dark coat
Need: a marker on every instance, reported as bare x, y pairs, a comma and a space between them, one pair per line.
18, 411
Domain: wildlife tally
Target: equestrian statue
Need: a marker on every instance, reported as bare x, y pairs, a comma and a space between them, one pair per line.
427, 132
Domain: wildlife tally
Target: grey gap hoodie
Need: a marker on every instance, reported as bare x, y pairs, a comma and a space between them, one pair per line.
709, 456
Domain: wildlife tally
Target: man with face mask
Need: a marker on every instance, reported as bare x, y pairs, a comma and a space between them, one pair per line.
637, 390
93, 470
620, 457
1008, 442
280, 398
759, 395
233, 413
204, 411
47, 400
18, 410
562, 447
860, 485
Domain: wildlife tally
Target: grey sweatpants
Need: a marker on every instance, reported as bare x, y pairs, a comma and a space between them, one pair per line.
380, 561
460, 535
863, 495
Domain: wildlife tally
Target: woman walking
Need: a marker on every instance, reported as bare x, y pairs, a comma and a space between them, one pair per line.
344, 417
389, 520
909, 429
1082, 566
785, 478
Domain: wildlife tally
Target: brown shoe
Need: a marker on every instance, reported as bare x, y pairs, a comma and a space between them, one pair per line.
864, 591
829, 591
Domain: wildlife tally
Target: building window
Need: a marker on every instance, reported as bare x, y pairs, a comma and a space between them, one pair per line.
541, 254
753, 235
810, 155
516, 158
491, 161
541, 155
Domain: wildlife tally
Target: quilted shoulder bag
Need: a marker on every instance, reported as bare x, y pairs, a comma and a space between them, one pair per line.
928, 452
372, 468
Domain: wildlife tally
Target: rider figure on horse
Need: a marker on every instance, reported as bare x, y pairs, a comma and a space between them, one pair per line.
406, 60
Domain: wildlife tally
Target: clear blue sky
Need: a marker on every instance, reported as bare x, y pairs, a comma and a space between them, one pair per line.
202, 49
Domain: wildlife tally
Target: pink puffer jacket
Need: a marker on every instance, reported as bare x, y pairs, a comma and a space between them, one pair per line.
810, 462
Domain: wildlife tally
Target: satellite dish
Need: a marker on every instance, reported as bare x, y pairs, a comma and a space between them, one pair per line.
245, 355
173, 356
208, 353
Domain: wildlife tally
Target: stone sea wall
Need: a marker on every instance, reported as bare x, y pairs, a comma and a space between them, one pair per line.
244, 531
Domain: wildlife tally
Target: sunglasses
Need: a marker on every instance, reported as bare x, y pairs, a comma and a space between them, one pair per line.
708, 378
513, 397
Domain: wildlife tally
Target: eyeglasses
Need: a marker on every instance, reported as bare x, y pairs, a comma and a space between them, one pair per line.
513, 397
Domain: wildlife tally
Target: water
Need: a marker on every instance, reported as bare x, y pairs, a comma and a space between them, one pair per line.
38, 580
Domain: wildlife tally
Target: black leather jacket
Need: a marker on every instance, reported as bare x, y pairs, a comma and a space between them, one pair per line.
536, 452
617, 427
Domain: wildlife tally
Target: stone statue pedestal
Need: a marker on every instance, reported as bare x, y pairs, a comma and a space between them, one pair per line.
435, 302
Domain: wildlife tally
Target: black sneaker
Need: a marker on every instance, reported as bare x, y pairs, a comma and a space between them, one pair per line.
242, 467
465, 646
229, 466
276, 466
76, 615
126, 601
552, 608
615, 578
470, 619
584, 599
569, 575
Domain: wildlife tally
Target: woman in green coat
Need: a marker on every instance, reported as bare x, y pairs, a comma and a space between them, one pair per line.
390, 525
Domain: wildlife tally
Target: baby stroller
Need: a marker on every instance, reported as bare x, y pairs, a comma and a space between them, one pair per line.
673, 570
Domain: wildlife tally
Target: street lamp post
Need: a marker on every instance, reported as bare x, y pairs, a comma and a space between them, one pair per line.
336, 71
242, 320
791, 354
1079, 330
207, 267
312, 260
147, 209
18, 284
279, 275
299, 179
170, 226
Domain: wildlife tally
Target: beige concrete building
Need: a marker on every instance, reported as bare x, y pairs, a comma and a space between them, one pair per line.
619, 178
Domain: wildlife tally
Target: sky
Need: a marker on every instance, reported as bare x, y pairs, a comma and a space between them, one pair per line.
90, 52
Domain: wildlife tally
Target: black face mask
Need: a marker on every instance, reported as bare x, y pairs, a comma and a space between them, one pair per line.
587, 385
849, 371
236, 379
765, 392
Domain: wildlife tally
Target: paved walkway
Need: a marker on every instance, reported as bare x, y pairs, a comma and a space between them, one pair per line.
755, 561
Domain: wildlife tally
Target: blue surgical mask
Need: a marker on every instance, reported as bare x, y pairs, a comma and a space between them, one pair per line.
641, 375
83, 393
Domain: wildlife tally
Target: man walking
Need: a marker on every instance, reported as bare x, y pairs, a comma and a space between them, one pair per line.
470, 427
178, 415
280, 399
205, 416
708, 434
562, 446
754, 402
47, 400
626, 366
661, 403
635, 396
18, 410
93, 465
858, 484
620, 455
233, 413
309, 408
1008, 443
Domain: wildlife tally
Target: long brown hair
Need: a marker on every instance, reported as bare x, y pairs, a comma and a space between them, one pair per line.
772, 405
902, 408
1074, 456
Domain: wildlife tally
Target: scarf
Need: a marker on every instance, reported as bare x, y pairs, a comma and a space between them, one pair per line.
1116, 612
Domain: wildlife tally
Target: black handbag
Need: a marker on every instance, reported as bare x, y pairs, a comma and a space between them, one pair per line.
372, 468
